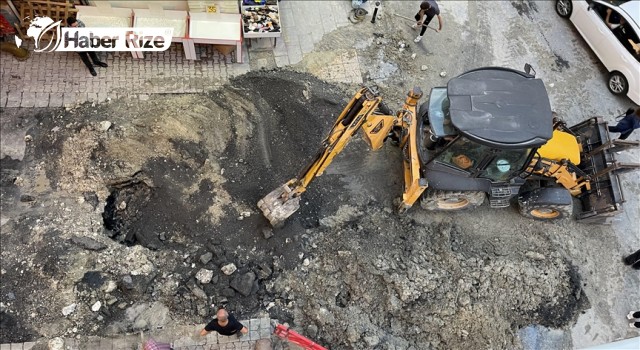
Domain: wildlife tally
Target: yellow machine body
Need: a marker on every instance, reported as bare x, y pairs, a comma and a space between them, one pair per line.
561, 146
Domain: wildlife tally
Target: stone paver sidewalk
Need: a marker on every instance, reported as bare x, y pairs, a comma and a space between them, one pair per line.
181, 338
57, 79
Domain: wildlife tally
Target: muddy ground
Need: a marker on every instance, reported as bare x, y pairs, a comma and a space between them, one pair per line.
142, 213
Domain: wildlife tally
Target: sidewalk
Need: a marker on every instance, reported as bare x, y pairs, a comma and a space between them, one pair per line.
181, 338
60, 79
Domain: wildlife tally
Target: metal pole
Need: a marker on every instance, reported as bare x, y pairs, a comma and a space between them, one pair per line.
375, 12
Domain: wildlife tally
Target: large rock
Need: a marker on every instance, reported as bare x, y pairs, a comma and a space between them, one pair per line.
204, 276
243, 284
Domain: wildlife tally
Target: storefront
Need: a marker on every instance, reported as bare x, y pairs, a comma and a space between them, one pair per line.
223, 23
261, 20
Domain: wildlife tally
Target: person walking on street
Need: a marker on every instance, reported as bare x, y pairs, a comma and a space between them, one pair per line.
633, 260
429, 9
631, 316
224, 324
76, 23
627, 124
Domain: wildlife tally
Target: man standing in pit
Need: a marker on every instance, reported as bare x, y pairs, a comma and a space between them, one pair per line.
224, 324
429, 9
72, 22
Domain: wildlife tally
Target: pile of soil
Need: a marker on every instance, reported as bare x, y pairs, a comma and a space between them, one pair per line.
135, 213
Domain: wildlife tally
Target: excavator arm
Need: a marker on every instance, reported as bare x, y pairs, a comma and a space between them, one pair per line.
365, 111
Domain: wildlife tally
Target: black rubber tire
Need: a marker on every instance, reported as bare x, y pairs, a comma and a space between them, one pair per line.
617, 83
451, 200
564, 8
545, 212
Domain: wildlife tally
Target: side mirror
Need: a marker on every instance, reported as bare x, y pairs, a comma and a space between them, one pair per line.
528, 69
591, 6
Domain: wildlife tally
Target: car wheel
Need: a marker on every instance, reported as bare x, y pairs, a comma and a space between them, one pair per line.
618, 84
545, 212
451, 200
564, 8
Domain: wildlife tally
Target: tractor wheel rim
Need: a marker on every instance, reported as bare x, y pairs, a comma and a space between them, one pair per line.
616, 84
453, 203
545, 213
563, 7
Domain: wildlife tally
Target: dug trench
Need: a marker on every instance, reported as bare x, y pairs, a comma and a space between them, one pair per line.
139, 214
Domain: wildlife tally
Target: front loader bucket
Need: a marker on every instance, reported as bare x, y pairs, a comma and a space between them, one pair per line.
278, 205
597, 160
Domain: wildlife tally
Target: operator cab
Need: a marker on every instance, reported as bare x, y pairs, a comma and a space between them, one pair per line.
477, 160
485, 124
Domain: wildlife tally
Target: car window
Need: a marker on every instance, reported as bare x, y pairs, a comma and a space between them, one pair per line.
620, 28
625, 34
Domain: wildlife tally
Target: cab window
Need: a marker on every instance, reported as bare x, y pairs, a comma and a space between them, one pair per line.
463, 154
504, 164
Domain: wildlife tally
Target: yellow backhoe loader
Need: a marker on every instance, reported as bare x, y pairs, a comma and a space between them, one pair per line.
489, 133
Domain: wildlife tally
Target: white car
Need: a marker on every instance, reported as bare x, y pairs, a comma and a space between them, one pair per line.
611, 29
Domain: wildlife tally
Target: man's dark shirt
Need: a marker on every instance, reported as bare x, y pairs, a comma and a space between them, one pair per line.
630, 122
433, 10
232, 327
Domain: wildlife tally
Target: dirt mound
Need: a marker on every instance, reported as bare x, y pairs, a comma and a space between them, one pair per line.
174, 181
399, 284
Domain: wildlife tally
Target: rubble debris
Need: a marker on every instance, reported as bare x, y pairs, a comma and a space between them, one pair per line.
69, 309
88, 243
204, 276
27, 198
228, 269
243, 284
267, 232
56, 344
199, 293
206, 257
91, 198
534, 255
110, 286
105, 125
127, 282
96, 306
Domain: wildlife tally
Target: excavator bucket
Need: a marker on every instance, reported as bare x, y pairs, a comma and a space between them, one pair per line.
278, 205
604, 200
